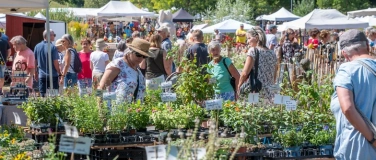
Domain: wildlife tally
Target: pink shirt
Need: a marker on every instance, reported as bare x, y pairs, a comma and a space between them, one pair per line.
23, 61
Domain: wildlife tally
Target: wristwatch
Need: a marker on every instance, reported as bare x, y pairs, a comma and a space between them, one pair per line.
372, 141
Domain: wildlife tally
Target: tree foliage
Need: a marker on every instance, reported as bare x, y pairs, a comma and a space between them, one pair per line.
237, 10
304, 7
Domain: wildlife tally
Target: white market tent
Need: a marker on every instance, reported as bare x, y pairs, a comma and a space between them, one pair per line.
362, 13
227, 26
281, 15
199, 26
12, 6
40, 15
325, 19
371, 20
120, 8
78, 12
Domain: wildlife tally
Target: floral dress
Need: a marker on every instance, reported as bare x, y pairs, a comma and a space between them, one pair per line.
289, 49
266, 69
125, 83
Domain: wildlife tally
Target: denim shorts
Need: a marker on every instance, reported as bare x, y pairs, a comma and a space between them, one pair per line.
2, 70
70, 80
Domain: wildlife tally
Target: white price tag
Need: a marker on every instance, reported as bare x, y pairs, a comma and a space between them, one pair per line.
83, 91
168, 97
166, 85
109, 95
197, 153
158, 152
212, 80
80, 145
215, 104
17, 119
253, 98
71, 131
279, 99
290, 105
274, 88
285, 99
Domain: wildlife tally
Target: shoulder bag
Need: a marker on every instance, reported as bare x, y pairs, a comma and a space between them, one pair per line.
252, 84
232, 80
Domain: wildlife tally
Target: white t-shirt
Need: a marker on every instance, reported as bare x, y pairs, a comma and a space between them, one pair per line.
99, 58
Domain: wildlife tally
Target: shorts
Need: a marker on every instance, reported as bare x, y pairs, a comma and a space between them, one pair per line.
2, 70
226, 96
97, 76
84, 86
70, 80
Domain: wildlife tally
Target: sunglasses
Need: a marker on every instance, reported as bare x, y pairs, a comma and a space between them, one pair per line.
139, 55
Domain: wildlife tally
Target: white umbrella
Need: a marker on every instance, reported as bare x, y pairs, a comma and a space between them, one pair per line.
227, 26
40, 15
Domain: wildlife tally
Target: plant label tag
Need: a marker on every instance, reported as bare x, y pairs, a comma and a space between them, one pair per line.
166, 85
83, 91
156, 152
80, 145
285, 98
17, 119
71, 131
215, 104
196, 153
58, 117
212, 80
253, 98
290, 105
168, 97
278, 99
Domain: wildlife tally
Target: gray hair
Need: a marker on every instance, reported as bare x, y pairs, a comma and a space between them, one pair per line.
258, 32
372, 31
18, 40
45, 33
121, 46
69, 38
214, 44
356, 48
368, 29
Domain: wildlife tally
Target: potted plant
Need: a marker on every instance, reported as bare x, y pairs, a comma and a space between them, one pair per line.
139, 116
291, 140
324, 139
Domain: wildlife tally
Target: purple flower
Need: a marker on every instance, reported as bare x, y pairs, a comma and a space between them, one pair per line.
326, 127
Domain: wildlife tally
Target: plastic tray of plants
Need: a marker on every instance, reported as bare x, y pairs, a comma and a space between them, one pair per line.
121, 138
110, 154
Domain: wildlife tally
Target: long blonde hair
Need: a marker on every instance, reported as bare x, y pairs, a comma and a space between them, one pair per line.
155, 41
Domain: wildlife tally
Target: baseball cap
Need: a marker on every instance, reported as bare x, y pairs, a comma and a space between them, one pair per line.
241, 25
163, 29
272, 26
352, 36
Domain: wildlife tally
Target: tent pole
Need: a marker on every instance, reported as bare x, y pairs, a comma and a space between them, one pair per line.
49, 46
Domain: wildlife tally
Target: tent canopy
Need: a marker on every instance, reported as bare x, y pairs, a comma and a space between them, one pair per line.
120, 8
182, 16
227, 26
13, 6
371, 20
325, 19
281, 15
361, 13
199, 26
40, 15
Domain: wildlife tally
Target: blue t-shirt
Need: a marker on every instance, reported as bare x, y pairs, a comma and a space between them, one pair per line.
350, 143
221, 75
40, 51
166, 44
4, 37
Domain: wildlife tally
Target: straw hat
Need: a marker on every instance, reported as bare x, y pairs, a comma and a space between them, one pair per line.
141, 46
100, 43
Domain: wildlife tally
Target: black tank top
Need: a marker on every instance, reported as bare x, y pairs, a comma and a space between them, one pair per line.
154, 65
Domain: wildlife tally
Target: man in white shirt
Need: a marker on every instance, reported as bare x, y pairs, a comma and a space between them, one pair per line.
98, 61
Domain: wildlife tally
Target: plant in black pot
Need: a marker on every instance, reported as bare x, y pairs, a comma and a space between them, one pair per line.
291, 140
324, 139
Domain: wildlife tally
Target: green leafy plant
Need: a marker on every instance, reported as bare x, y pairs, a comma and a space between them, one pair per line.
139, 115
323, 137
291, 138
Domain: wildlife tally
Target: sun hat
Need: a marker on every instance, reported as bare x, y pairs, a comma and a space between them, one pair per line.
59, 42
100, 43
241, 25
352, 36
141, 46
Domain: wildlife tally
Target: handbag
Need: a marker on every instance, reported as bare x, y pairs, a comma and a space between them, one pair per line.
232, 80
366, 120
253, 84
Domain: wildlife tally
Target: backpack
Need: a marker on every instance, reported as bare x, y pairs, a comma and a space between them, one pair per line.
77, 64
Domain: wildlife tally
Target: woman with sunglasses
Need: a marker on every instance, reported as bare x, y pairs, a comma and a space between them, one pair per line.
124, 76
70, 76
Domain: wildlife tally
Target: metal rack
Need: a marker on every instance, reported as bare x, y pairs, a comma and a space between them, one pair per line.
19, 92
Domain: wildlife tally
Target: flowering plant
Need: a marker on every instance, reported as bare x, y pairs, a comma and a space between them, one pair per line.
138, 115
228, 41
